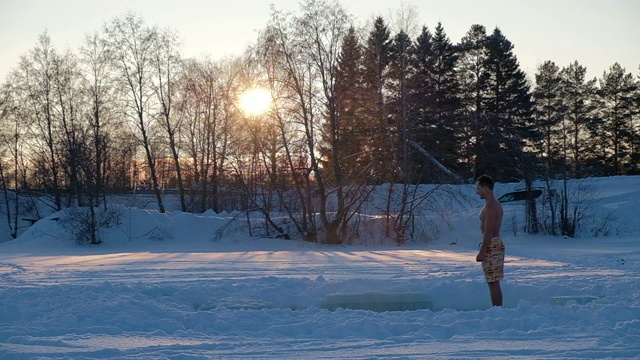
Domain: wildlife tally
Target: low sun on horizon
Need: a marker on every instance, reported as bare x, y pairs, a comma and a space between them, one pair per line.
255, 101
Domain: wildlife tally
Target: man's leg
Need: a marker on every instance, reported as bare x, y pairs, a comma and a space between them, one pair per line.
496, 293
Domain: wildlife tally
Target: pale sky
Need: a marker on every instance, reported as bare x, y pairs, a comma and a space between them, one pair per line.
596, 33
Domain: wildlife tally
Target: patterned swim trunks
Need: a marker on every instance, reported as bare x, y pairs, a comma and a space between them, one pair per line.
493, 265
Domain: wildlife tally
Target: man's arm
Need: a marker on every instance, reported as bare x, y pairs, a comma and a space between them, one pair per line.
487, 226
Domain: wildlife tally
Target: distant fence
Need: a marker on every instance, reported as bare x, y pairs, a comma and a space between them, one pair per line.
227, 199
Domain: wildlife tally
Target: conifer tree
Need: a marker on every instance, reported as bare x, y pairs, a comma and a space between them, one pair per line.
421, 96
507, 134
399, 124
616, 104
350, 109
473, 76
549, 113
398, 104
578, 96
508, 131
376, 64
635, 141
437, 106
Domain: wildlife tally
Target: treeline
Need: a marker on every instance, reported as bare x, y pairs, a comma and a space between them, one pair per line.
352, 107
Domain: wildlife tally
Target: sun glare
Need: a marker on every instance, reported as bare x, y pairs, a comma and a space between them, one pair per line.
255, 101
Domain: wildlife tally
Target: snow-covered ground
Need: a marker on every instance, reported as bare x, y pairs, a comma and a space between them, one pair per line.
162, 286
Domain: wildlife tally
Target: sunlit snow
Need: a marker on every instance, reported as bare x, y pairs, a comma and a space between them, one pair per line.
186, 294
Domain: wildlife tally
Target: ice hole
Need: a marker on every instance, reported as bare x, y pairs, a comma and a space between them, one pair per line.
379, 302
233, 304
579, 299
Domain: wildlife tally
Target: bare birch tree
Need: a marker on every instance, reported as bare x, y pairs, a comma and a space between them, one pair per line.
95, 59
302, 55
10, 140
71, 131
132, 44
34, 87
204, 102
166, 64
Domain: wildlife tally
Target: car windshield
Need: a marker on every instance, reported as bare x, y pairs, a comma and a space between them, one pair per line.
520, 195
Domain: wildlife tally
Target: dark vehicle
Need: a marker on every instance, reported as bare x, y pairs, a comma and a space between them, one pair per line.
521, 196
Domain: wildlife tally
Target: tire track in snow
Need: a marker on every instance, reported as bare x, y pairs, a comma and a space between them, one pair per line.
8, 273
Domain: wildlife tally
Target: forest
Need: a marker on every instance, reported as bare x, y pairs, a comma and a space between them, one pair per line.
351, 107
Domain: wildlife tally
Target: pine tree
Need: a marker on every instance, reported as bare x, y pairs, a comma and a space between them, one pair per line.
549, 113
616, 98
578, 97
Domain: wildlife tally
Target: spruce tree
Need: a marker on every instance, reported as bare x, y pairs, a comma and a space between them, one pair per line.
350, 109
635, 141
507, 133
437, 107
376, 63
398, 104
473, 80
420, 97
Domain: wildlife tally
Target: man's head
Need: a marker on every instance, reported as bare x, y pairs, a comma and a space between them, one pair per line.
484, 186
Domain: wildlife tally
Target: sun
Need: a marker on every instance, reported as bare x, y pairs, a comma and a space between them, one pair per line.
255, 101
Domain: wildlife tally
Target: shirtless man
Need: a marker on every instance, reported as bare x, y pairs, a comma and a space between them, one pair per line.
491, 253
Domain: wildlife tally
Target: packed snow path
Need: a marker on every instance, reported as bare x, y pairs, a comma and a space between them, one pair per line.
263, 299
